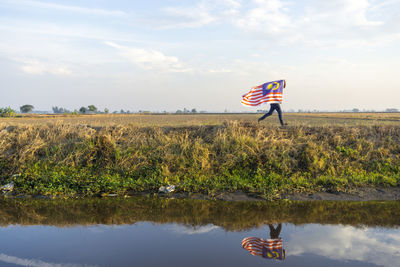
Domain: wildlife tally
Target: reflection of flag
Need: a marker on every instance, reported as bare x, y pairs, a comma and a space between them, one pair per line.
267, 92
269, 249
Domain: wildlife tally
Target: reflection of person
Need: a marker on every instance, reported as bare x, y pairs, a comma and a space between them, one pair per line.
275, 105
270, 248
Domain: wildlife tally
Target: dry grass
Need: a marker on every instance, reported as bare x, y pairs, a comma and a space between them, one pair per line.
199, 153
297, 119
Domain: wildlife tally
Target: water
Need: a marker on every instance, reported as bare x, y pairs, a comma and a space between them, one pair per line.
161, 232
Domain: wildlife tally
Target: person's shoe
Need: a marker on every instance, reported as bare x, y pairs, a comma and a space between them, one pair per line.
259, 119
284, 124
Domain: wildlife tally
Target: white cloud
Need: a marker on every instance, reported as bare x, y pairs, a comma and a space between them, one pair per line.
189, 17
338, 23
67, 8
267, 17
148, 59
203, 13
39, 68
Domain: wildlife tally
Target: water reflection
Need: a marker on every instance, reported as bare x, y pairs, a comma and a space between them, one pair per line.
267, 248
377, 246
165, 232
232, 216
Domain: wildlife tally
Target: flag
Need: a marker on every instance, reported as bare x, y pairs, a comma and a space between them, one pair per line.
268, 249
267, 92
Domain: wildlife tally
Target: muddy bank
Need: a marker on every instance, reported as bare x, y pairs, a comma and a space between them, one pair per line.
359, 194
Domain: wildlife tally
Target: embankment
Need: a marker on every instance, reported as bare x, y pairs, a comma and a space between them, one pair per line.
73, 159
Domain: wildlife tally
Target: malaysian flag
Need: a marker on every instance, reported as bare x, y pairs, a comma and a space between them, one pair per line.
267, 92
268, 249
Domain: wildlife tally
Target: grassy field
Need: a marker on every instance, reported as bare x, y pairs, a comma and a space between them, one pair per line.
294, 119
209, 153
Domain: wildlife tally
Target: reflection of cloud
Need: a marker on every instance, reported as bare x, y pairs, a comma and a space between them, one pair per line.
35, 263
181, 229
347, 243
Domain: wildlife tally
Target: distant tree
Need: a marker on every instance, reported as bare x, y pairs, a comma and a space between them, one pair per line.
115, 112
92, 108
179, 111
122, 111
106, 110
185, 110
26, 108
60, 110
7, 112
355, 110
392, 110
83, 110
194, 110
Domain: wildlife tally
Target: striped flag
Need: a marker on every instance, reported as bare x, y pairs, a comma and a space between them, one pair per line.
269, 249
267, 92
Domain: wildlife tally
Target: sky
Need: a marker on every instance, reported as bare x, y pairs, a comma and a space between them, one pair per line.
164, 55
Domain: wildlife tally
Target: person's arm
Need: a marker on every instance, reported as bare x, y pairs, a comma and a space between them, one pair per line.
284, 83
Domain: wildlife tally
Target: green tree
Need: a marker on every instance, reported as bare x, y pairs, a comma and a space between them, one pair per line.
83, 110
106, 110
26, 108
7, 112
92, 108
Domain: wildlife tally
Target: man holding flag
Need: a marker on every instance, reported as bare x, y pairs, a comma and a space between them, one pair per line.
270, 92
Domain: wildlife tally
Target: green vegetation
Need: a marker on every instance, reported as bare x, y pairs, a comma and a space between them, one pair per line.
232, 216
70, 159
7, 112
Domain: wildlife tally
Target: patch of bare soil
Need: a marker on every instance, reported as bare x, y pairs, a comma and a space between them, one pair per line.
360, 194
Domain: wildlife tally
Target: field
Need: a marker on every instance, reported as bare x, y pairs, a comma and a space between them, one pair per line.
294, 119
208, 153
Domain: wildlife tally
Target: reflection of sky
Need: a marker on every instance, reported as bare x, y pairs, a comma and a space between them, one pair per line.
376, 246
182, 229
33, 262
150, 244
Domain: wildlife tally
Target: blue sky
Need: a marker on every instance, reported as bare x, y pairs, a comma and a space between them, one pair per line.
167, 55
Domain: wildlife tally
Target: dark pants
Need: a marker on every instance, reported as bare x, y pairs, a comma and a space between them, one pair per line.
274, 232
276, 107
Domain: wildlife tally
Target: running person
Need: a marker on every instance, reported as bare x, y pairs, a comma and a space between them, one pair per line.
275, 105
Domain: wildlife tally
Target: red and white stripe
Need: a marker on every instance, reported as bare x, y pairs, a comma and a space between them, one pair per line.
255, 97
255, 245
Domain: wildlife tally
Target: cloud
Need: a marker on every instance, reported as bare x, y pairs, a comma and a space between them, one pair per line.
34, 262
347, 243
39, 68
148, 59
191, 17
203, 13
66, 8
338, 23
268, 16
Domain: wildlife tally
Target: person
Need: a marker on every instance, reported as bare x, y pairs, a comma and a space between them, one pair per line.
267, 248
275, 105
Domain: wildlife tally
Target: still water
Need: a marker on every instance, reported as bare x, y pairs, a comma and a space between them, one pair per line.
165, 232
